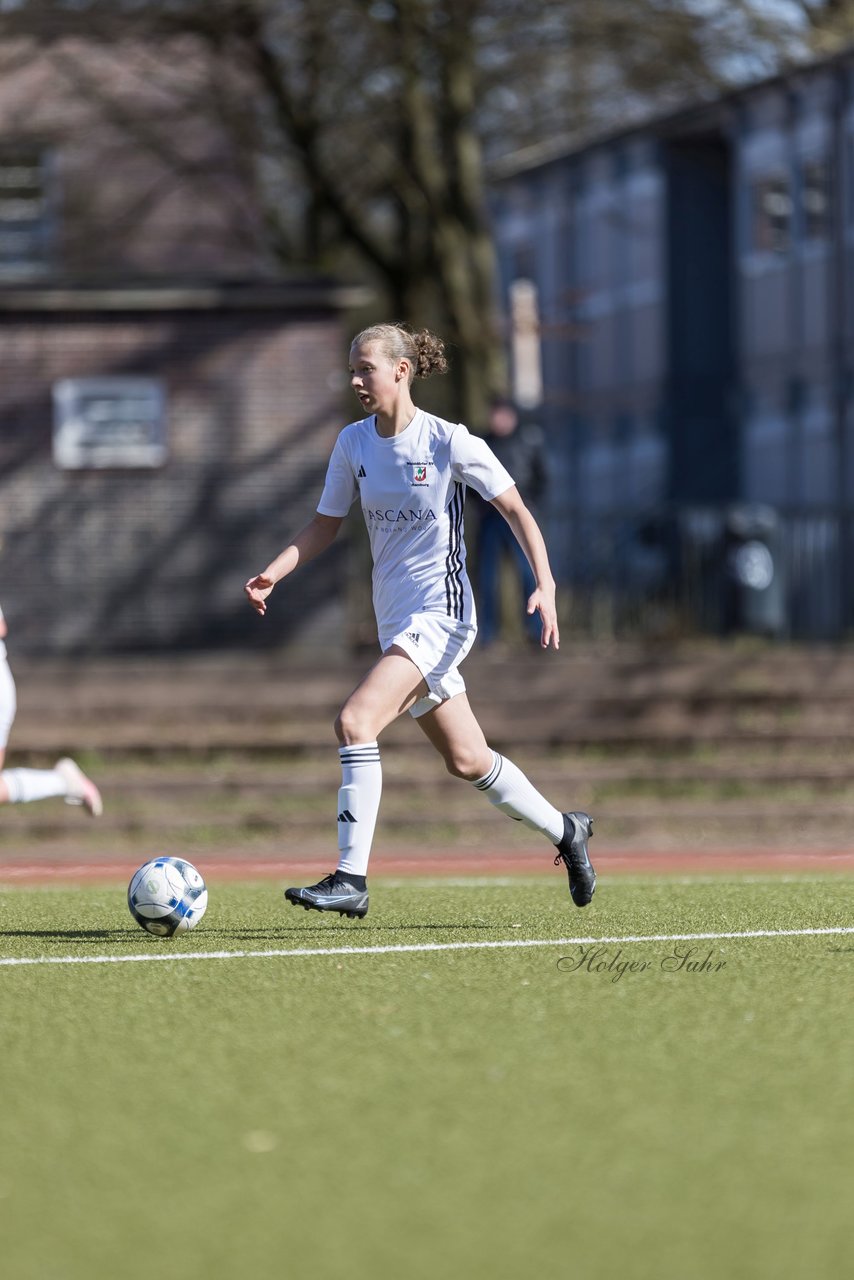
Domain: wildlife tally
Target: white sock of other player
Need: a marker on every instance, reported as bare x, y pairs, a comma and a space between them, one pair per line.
510, 791
358, 805
26, 785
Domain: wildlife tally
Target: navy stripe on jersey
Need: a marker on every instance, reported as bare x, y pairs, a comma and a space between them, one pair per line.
454, 559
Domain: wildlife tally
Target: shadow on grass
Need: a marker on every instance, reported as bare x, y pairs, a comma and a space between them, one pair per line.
68, 935
354, 930
274, 934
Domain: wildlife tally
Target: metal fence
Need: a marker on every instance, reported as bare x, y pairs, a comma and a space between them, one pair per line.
740, 569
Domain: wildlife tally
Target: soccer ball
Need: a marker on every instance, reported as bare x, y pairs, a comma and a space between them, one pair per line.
166, 896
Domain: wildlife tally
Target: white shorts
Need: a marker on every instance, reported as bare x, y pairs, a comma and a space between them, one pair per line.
437, 646
8, 702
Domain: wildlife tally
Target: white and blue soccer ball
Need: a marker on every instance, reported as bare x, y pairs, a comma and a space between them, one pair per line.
167, 896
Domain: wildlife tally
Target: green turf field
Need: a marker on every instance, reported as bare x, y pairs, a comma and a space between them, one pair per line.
521, 1111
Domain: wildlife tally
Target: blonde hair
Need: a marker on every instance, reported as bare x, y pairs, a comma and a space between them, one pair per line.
424, 350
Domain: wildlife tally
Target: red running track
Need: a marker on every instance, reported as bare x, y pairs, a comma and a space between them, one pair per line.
639, 862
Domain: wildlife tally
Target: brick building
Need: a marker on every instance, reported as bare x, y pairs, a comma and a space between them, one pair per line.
193, 440
169, 397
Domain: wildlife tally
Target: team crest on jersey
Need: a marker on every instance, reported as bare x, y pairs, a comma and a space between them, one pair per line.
419, 472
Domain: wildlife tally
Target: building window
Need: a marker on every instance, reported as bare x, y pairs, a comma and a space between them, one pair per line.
26, 212
772, 215
109, 422
815, 199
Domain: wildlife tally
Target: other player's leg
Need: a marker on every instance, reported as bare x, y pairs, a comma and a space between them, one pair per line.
456, 734
65, 779
22, 786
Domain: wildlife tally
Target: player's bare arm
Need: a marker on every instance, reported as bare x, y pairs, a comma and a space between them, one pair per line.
314, 538
530, 539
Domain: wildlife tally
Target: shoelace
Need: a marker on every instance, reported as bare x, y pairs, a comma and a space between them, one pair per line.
575, 860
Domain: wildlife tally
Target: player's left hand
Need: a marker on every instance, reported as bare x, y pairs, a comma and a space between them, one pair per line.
543, 602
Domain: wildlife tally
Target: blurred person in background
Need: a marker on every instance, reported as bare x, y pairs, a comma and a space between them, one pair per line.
20, 786
520, 450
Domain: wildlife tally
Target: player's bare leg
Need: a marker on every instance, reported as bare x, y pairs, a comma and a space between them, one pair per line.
392, 686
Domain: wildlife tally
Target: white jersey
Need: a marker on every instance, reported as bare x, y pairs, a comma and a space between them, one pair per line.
412, 489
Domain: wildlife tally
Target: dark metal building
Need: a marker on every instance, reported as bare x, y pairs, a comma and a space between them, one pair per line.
691, 286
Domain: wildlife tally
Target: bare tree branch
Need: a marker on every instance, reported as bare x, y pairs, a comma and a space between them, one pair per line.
361, 127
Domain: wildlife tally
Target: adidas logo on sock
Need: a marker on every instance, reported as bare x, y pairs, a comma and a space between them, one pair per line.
346, 816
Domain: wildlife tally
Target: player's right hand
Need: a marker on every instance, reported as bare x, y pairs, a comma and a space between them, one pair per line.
257, 589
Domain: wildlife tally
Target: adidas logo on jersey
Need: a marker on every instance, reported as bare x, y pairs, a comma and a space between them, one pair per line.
346, 816
360, 475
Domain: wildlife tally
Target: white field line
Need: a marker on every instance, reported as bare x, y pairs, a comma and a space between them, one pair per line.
422, 947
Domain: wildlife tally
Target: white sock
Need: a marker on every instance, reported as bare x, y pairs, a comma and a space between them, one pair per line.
25, 785
358, 805
510, 791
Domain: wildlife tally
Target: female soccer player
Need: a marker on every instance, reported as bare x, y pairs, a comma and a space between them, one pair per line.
20, 786
409, 471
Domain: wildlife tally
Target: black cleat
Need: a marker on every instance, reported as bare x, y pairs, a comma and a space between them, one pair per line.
332, 893
577, 830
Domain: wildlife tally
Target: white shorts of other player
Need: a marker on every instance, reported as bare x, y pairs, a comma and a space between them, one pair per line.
8, 703
437, 645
